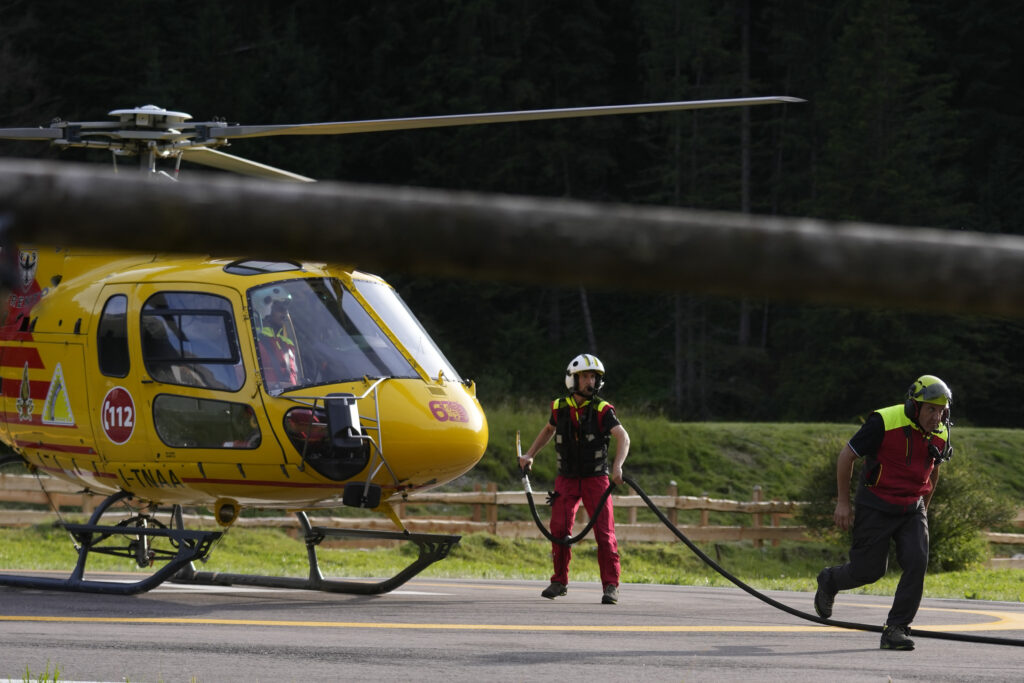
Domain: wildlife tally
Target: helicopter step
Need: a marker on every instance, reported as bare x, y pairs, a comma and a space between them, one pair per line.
138, 532
432, 547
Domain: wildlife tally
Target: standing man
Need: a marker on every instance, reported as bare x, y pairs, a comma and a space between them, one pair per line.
583, 425
902, 447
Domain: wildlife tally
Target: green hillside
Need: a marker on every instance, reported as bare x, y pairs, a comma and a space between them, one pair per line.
726, 460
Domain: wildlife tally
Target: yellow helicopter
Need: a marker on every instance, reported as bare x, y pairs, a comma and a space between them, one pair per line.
234, 383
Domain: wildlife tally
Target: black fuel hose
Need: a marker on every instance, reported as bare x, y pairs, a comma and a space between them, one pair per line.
795, 612
568, 540
988, 640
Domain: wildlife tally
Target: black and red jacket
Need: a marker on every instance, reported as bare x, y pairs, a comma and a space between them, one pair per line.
898, 462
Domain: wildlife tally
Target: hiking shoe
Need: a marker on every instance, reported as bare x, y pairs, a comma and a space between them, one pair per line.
555, 590
826, 594
896, 638
611, 595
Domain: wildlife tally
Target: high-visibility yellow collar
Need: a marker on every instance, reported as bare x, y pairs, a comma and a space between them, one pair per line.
269, 332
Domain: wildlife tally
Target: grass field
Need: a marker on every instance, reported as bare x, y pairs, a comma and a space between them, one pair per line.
720, 460
726, 460
789, 566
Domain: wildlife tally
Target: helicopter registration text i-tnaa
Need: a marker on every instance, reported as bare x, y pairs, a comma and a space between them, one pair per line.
232, 383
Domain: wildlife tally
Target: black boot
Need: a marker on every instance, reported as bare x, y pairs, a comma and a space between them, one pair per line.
555, 590
896, 638
825, 597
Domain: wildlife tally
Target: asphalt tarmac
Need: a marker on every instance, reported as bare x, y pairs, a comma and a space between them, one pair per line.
473, 630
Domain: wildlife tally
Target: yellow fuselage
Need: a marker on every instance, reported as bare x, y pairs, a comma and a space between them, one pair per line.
157, 376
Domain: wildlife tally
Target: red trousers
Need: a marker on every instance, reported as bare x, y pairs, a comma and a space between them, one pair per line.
563, 514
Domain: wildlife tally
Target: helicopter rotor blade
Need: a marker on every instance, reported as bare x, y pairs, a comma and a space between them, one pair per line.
31, 133
228, 162
377, 125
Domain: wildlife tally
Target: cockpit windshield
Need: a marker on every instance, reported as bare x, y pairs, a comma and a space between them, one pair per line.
403, 324
313, 331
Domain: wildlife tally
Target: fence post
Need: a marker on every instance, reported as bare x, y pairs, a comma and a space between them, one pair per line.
673, 512
705, 514
758, 542
774, 520
478, 513
492, 508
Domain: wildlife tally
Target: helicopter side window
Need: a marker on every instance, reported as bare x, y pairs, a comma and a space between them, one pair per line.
189, 338
187, 422
112, 337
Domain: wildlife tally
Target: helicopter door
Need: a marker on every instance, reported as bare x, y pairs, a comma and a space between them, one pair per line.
114, 365
196, 388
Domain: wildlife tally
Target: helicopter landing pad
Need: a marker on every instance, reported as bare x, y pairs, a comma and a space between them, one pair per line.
470, 630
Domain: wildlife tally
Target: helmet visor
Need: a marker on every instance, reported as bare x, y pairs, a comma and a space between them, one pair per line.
934, 393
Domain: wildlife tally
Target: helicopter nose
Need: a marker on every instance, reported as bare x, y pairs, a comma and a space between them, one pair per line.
431, 435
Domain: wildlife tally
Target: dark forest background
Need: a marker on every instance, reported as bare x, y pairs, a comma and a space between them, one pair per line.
913, 118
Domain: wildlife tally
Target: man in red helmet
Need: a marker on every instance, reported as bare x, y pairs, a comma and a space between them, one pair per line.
583, 425
902, 447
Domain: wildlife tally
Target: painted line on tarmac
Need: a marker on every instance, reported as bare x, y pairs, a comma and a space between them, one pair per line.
206, 588
1002, 621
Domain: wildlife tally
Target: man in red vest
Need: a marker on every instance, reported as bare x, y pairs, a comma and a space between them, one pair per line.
583, 425
902, 447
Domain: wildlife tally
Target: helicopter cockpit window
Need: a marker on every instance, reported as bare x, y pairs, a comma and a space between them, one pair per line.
312, 331
112, 337
189, 338
401, 321
187, 422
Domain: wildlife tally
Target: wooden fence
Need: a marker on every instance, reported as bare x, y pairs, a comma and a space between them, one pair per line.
770, 520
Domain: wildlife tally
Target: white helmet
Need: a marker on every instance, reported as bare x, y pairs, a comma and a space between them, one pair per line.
579, 364
268, 296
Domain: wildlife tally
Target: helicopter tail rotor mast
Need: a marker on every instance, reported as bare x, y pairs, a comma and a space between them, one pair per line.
153, 133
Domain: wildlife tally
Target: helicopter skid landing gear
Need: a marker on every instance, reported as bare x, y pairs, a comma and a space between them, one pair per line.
433, 547
140, 530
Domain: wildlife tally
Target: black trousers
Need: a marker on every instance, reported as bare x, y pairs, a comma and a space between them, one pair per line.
869, 555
